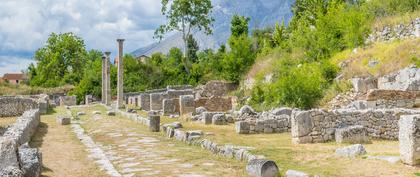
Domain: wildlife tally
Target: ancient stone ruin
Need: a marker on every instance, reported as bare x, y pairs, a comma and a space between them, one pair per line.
16, 157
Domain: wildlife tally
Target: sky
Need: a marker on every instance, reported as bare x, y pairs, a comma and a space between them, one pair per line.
26, 24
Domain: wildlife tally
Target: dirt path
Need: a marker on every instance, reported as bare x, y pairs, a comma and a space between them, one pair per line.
136, 152
63, 154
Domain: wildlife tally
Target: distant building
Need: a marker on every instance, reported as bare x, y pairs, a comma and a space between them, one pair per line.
14, 78
141, 58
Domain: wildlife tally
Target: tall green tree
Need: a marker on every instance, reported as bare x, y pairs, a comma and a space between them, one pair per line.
61, 61
193, 48
239, 25
185, 16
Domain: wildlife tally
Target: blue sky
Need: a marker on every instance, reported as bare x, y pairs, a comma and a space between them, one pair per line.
26, 24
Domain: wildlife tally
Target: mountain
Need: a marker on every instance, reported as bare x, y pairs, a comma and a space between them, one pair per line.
262, 13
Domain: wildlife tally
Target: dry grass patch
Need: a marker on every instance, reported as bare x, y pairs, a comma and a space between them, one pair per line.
6, 121
392, 56
316, 159
396, 20
62, 152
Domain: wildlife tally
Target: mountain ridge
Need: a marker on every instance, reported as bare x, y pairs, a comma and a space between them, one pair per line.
262, 13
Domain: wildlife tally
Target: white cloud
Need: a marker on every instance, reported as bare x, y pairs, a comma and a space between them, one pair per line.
11, 64
26, 24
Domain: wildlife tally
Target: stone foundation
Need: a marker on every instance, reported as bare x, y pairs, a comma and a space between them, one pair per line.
317, 126
68, 101
186, 104
15, 106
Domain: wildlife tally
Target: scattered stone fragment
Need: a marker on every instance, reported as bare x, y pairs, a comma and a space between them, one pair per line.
154, 123
294, 173
200, 110
110, 113
63, 120
247, 110
242, 127
351, 151
282, 111
390, 159
409, 139
81, 113
96, 112
262, 168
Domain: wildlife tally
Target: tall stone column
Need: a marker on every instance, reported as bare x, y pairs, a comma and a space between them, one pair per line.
120, 85
103, 79
108, 79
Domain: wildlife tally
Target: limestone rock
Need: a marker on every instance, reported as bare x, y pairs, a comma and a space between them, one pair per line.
219, 119
262, 168
247, 110
110, 113
200, 110
11, 171
294, 173
409, 139
282, 111
63, 120
352, 134
96, 112
301, 124
351, 151
242, 127
30, 160
8, 153
154, 123
81, 113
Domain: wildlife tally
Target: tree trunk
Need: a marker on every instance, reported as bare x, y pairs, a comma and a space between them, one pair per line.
185, 60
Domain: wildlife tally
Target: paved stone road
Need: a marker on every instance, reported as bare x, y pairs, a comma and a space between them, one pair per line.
135, 152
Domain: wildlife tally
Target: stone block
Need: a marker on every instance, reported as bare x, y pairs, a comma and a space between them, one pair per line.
409, 139
30, 160
262, 168
282, 111
294, 173
154, 123
88, 99
352, 134
110, 113
219, 119
144, 101
351, 151
63, 120
156, 101
169, 106
186, 104
207, 118
362, 85
200, 110
242, 127
301, 124
8, 153
11, 171
180, 135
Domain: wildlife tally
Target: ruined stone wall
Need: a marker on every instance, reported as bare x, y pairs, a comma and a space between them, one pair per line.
24, 127
316, 125
216, 89
407, 79
15, 106
391, 99
401, 31
215, 104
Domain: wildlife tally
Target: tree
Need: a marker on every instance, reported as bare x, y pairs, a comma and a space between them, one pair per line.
61, 61
193, 48
239, 25
279, 35
185, 16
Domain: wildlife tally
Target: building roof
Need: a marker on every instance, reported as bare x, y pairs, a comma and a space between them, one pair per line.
14, 76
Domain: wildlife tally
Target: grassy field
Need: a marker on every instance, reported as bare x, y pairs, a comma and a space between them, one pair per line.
316, 159
11, 90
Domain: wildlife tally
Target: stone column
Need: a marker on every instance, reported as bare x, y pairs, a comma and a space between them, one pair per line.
103, 79
120, 85
154, 122
108, 79
409, 138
